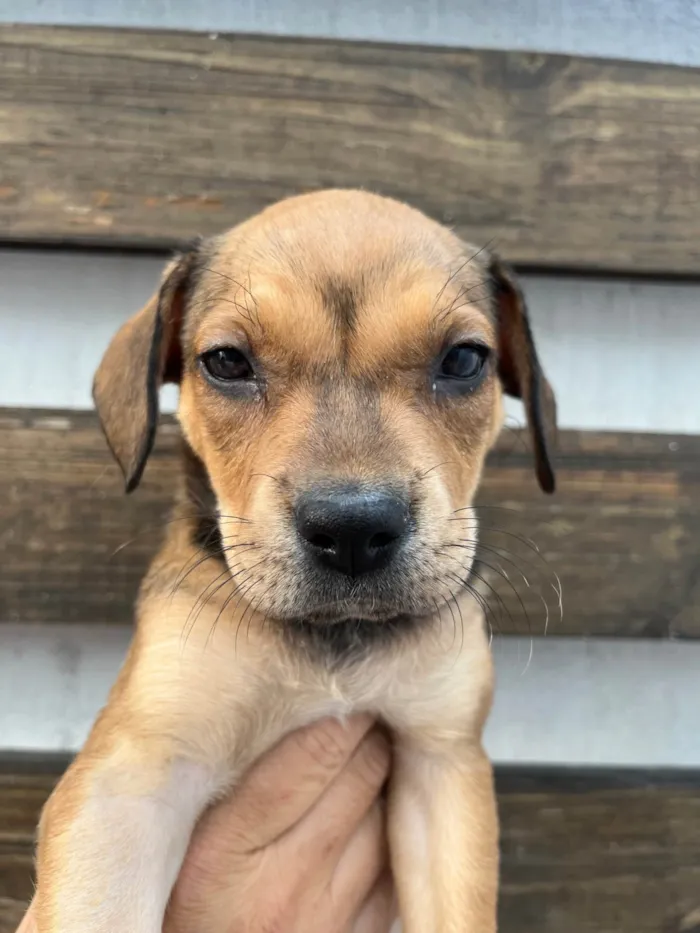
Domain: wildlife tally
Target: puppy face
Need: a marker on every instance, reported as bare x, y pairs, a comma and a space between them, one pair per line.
341, 360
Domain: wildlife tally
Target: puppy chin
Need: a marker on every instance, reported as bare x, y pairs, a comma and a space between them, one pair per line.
346, 639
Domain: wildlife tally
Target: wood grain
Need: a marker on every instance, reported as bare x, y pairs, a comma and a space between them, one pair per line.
146, 138
602, 852
25, 783
622, 533
582, 852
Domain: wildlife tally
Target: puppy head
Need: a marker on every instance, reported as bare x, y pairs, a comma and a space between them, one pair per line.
341, 361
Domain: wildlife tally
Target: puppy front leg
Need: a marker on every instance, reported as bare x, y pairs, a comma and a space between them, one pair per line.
112, 839
443, 831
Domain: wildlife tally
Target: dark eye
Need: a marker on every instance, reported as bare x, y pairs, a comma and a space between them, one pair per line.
465, 361
227, 364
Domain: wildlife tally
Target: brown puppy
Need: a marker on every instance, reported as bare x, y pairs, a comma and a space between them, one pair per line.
341, 361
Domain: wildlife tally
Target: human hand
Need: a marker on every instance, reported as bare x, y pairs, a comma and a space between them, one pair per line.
299, 846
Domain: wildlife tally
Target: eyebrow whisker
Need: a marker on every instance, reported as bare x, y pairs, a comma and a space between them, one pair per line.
230, 278
463, 293
459, 269
245, 289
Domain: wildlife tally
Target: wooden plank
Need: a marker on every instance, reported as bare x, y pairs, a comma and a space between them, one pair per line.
25, 783
146, 138
599, 852
622, 533
581, 851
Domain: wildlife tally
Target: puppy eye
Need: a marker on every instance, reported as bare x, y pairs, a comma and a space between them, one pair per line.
227, 364
465, 362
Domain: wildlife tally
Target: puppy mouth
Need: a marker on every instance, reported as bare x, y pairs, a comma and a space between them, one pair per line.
342, 632
364, 612
360, 621
344, 638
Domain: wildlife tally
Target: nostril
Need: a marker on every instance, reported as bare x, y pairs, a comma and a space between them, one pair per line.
381, 540
322, 542
351, 529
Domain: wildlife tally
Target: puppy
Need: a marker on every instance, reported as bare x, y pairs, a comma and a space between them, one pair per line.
341, 361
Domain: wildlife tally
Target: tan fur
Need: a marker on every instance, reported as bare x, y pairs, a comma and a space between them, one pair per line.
211, 681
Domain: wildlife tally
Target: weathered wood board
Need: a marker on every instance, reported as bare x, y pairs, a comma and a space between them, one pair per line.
146, 138
582, 852
622, 532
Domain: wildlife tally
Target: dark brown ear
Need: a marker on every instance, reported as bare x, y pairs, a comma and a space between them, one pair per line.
143, 354
520, 370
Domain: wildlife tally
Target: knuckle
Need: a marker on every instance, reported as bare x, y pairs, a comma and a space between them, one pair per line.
275, 921
279, 915
272, 900
326, 743
373, 760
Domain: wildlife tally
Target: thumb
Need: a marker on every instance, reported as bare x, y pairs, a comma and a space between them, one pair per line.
286, 782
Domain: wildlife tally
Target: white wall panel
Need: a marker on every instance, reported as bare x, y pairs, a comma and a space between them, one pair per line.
621, 355
575, 702
648, 30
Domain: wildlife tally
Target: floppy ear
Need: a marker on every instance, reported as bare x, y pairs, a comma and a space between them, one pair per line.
143, 354
520, 370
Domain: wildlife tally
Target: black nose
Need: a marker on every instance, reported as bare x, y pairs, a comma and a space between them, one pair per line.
352, 530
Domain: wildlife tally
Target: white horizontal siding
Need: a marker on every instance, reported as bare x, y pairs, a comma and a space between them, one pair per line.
621, 355
648, 30
575, 702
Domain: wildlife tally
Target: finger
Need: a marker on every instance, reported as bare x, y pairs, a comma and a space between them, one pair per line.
28, 924
362, 862
285, 784
379, 912
324, 833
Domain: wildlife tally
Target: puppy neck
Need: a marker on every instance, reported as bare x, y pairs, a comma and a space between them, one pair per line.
197, 505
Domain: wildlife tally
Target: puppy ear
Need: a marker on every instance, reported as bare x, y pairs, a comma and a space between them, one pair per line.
143, 354
520, 370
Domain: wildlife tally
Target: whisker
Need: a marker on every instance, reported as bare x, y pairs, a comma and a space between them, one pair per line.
466, 262
275, 479
421, 476
464, 586
517, 433
503, 575
528, 542
477, 546
439, 610
256, 306
254, 610
189, 567
204, 598
475, 508
529, 657
453, 597
463, 293
499, 599
235, 608
230, 278
454, 620
188, 627
158, 526
483, 605
198, 563
244, 309
236, 589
